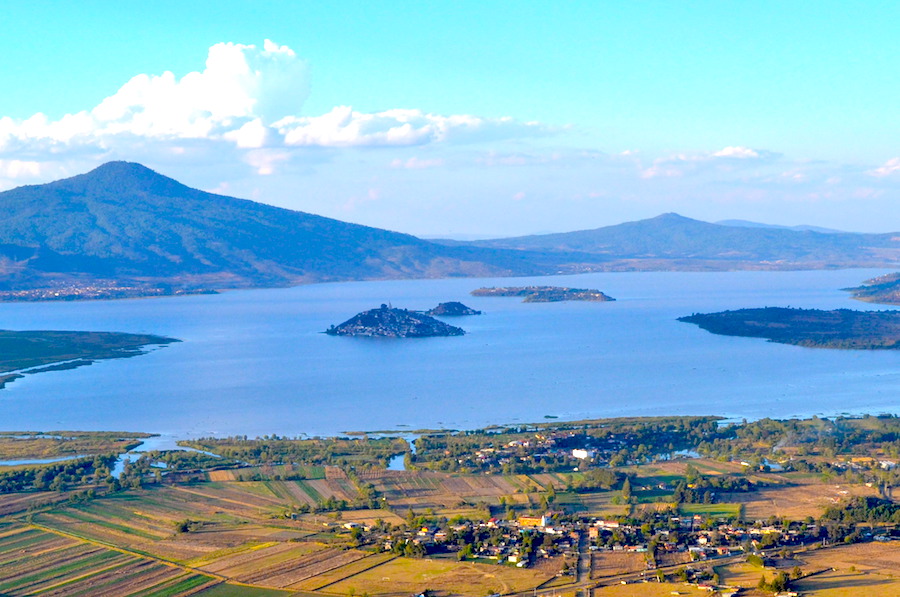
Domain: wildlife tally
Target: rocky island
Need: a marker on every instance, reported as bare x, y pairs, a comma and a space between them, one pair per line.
841, 328
545, 294
388, 322
883, 289
452, 309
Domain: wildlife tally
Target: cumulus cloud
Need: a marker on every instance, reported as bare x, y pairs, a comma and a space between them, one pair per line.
415, 163
247, 98
345, 127
687, 163
19, 169
890, 167
239, 82
742, 153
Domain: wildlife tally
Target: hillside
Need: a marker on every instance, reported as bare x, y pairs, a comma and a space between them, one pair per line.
883, 289
123, 224
671, 241
124, 230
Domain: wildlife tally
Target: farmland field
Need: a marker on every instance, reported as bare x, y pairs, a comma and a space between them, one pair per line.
609, 563
796, 501
651, 589
409, 576
712, 510
848, 584
421, 490
860, 570
34, 561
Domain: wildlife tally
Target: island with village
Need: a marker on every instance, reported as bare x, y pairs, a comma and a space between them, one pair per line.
391, 322
545, 294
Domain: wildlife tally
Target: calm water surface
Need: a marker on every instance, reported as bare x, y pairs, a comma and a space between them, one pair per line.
256, 362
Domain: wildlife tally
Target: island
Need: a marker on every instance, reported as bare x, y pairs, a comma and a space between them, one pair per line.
545, 294
26, 352
883, 289
452, 309
840, 328
388, 322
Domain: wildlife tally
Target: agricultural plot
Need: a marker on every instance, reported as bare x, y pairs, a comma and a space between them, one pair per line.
597, 504
147, 521
33, 561
860, 570
277, 472
404, 576
611, 563
229, 533
865, 557
714, 511
796, 501
420, 490
739, 575
13, 503
650, 589
257, 559
370, 517
324, 580
848, 584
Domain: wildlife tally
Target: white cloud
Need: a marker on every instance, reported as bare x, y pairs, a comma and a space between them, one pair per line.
253, 134
686, 163
415, 163
15, 169
345, 127
890, 167
742, 153
239, 82
266, 160
244, 105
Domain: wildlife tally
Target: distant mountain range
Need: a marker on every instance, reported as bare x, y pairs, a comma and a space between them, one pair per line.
671, 241
124, 225
801, 228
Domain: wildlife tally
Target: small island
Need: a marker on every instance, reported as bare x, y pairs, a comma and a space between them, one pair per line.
841, 328
388, 322
545, 294
883, 289
38, 351
452, 309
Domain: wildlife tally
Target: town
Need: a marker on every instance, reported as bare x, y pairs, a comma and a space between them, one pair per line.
693, 505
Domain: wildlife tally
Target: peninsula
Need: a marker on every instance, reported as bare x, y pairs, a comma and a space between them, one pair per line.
841, 328
452, 309
883, 289
545, 294
37, 351
388, 322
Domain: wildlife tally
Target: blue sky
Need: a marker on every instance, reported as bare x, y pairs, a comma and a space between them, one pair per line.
471, 118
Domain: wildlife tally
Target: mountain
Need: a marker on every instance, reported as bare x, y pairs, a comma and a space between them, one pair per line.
125, 230
124, 224
671, 241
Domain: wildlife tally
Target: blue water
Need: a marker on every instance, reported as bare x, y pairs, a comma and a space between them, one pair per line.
255, 362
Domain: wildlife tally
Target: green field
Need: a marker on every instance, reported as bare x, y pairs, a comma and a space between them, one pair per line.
711, 510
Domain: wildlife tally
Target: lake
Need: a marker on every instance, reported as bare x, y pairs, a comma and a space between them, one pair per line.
255, 362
